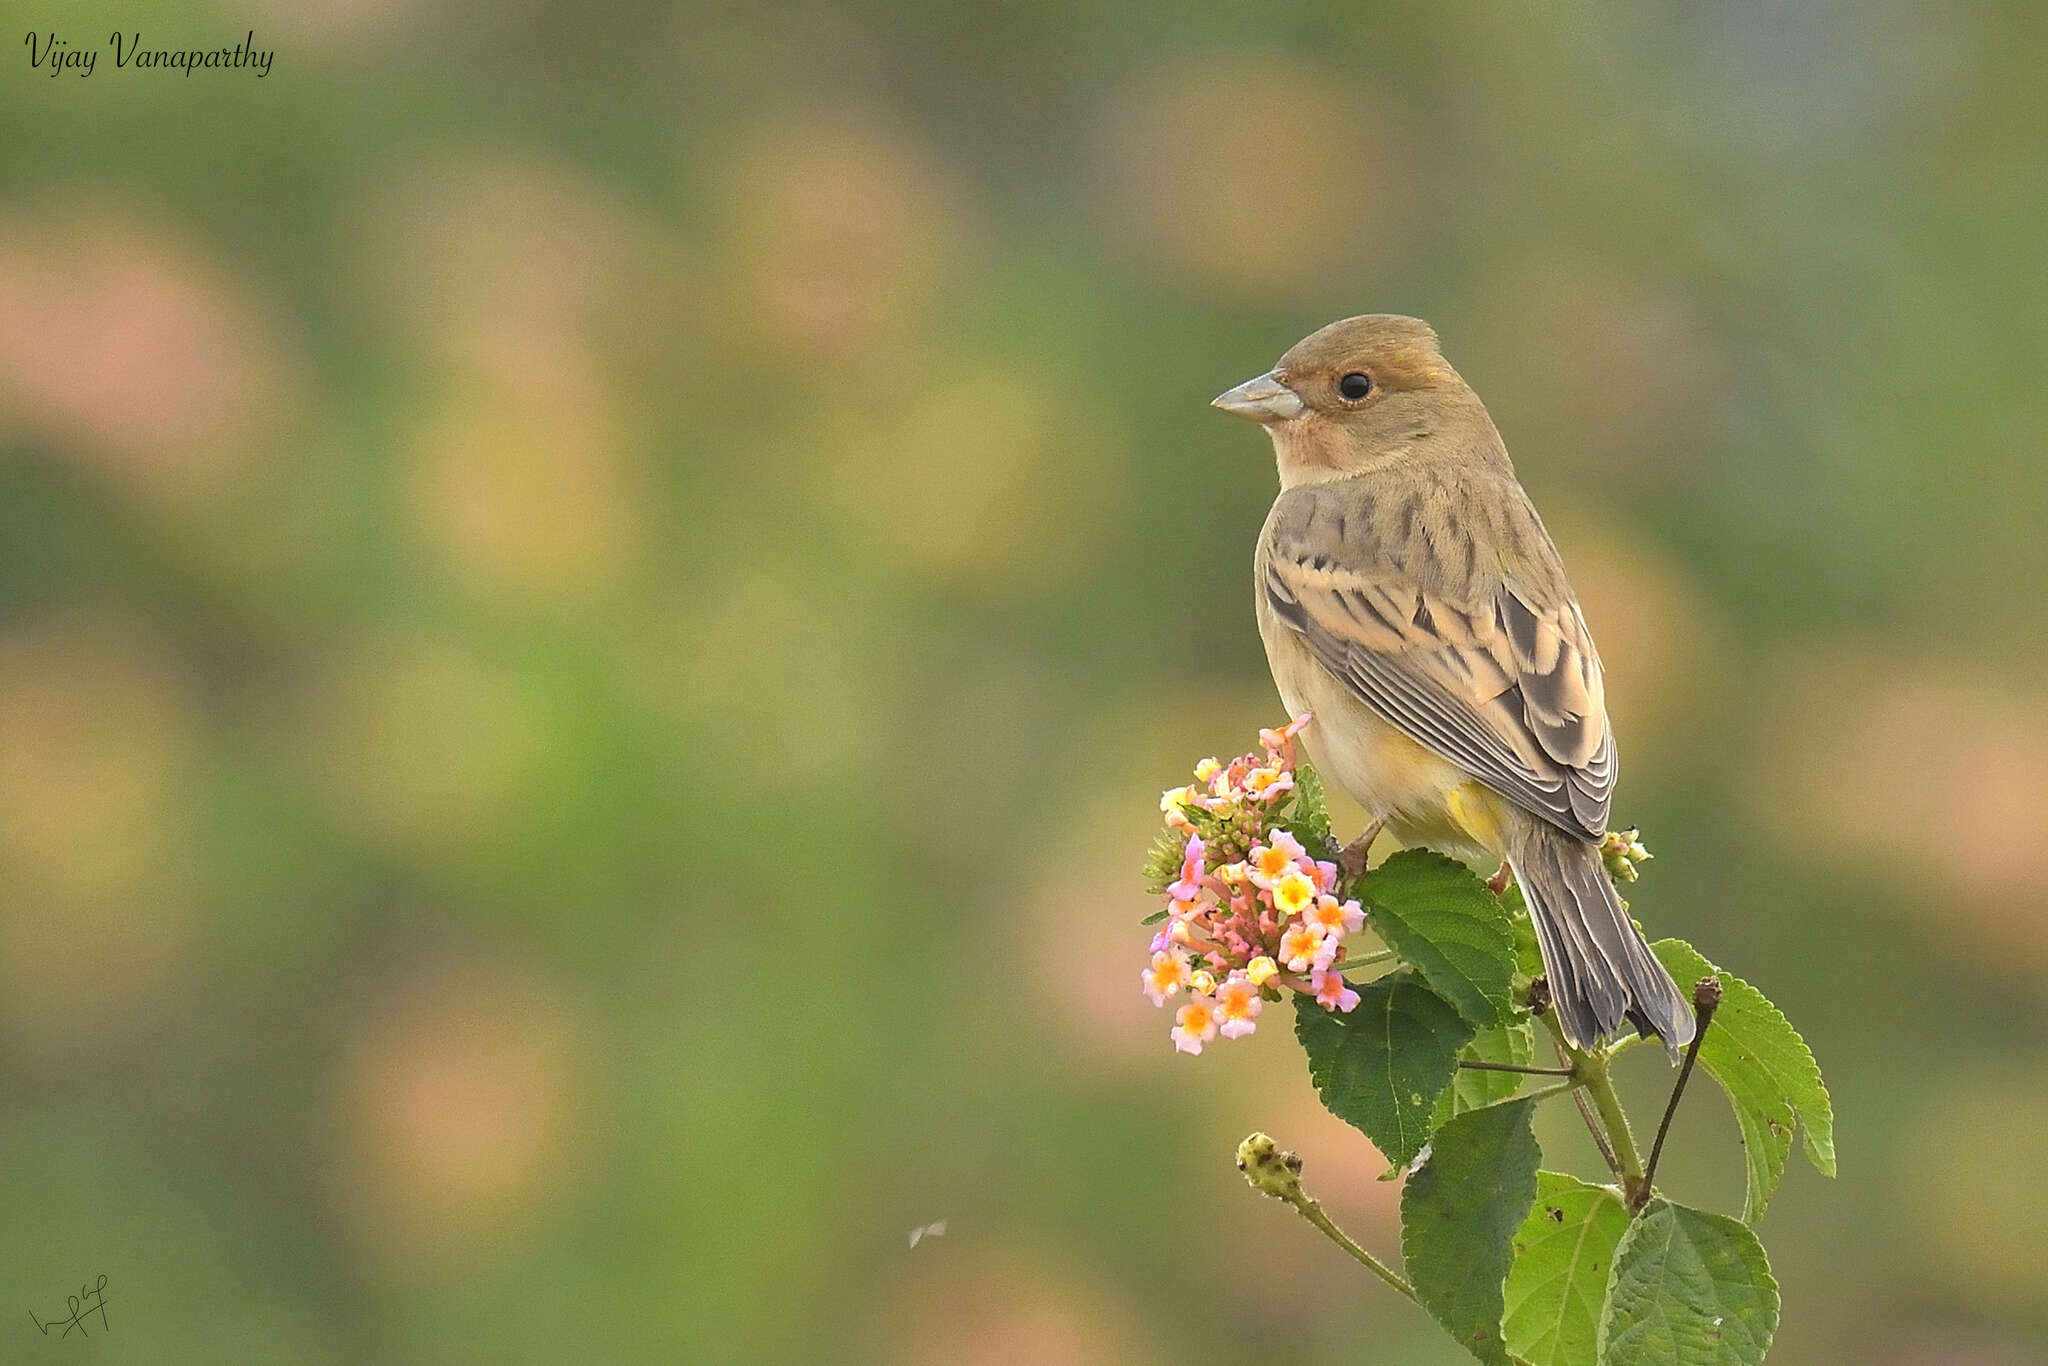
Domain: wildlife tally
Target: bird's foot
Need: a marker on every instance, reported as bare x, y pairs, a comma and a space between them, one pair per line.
1498, 883
1352, 857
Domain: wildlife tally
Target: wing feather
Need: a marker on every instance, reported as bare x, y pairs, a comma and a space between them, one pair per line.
1492, 668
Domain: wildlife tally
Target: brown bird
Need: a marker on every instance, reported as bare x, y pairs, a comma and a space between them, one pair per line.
1410, 597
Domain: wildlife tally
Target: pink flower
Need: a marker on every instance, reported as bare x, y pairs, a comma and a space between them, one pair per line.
1267, 865
1238, 1006
1280, 855
1269, 784
1194, 1025
1304, 947
1192, 869
1332, 916
1274, 741
1332, 992
1167, 975
1287, 844
1242, 929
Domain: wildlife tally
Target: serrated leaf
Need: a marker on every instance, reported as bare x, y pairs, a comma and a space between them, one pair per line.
1564, 1254
1471, 1088
1767, 1073
1689, 1289
1459, 1215
1381, 1066
1437, 915
1310, 820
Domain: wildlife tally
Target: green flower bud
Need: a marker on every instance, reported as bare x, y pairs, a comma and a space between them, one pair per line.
1270, 1168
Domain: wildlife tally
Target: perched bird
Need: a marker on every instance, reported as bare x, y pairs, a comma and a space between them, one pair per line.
1410, 597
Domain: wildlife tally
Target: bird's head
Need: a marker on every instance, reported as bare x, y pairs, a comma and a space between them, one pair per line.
1361, 395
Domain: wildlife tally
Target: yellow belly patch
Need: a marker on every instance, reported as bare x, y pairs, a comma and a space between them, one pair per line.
1476, 811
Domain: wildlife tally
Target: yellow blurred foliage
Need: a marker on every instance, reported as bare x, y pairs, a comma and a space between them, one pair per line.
1253, 174
1867, 752
95, 735
1592, 375
521, 477
979, 475
840, 232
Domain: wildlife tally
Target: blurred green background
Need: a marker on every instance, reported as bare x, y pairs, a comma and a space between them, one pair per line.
594, 601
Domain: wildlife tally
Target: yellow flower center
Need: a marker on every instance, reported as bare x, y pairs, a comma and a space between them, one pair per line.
1293, 893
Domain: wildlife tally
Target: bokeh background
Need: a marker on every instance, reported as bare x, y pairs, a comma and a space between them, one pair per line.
594, 601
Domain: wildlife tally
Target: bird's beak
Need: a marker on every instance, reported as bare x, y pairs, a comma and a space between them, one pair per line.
1263, 400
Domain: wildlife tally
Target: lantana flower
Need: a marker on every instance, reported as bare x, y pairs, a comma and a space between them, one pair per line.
1194, 1025
1253, 912
1332, 916
1294, 893
1237, 1006
1331, 990
1167, 975
1305, 946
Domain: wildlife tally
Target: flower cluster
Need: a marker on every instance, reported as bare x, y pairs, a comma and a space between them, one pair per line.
1621, 851
1249, 909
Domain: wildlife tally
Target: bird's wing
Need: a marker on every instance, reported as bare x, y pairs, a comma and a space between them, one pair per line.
1480, 656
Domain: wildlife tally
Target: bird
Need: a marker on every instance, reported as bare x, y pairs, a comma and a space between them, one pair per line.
1409, 597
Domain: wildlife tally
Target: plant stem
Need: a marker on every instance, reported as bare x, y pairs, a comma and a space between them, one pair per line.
1312, 1210
1706, 999
1475, 1065
1599, 1135
1600, 1086
1546, 1092
1277, 1173
1617, 1143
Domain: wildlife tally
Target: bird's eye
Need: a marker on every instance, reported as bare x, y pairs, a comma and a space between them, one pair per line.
1354, 386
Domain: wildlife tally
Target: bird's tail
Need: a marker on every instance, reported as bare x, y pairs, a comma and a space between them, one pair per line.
1601, 971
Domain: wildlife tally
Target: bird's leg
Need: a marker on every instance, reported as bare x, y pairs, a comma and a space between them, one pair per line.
1351, 858
1498, 883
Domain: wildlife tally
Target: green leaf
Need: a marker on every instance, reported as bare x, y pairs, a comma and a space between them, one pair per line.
1558, 1284
1472, 1088
1436, 914
1310, 819
1459, 1215
1766, 1070
1381, 1066
1155, 918
1689, 1289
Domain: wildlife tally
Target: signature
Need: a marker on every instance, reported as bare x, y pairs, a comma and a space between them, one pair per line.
91, 1299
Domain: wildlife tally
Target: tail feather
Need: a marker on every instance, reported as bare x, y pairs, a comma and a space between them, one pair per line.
1601, 971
